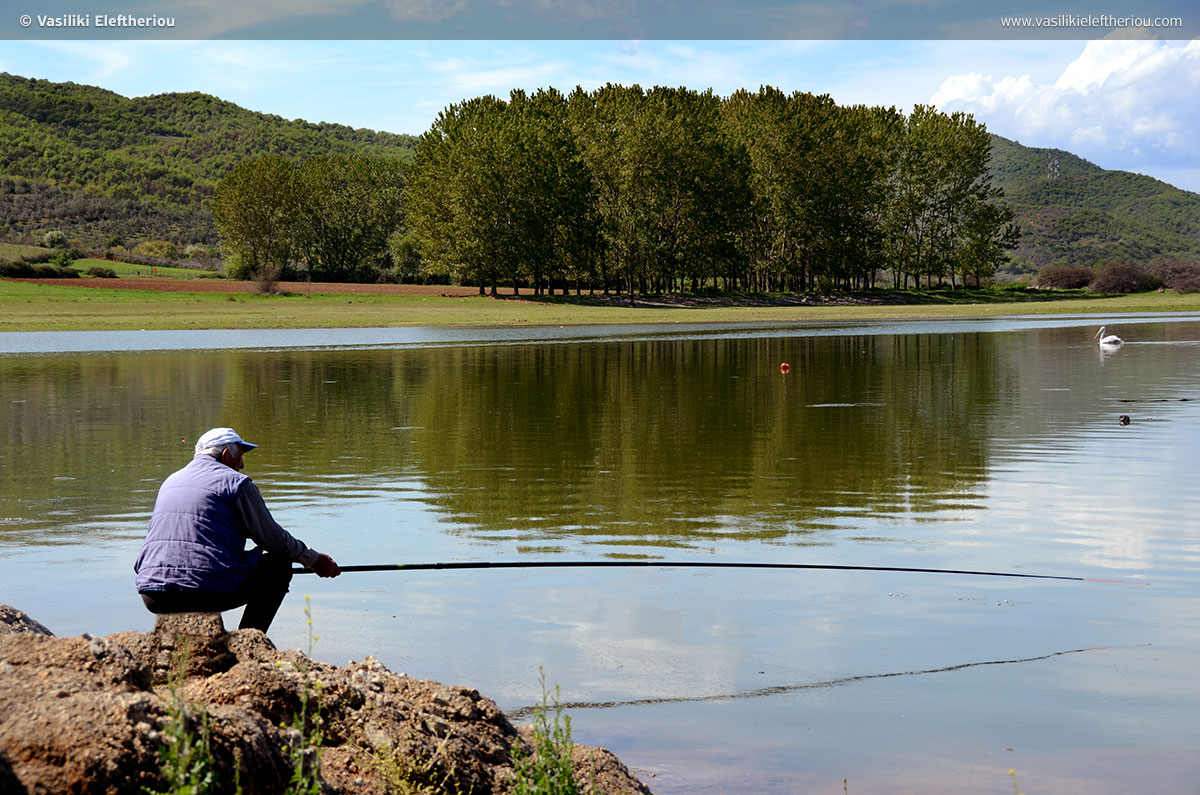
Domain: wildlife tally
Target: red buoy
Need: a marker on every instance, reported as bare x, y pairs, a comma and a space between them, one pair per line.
785, 368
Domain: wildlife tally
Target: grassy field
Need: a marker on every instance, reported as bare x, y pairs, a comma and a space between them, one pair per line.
16, 250
129, 269
38, 307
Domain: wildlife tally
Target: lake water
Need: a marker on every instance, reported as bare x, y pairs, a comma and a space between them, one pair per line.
973, 444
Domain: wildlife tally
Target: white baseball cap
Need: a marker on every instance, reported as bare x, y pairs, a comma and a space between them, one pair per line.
219, 437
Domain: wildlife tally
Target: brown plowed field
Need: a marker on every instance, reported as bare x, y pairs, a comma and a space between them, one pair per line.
226, 286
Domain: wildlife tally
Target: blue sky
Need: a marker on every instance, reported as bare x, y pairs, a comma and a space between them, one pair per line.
1130, 104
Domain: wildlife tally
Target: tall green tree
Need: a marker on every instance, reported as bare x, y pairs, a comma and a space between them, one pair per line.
457, 196
697, 190
987, 232
916, 210
347, 208
667, 185
864, 145
946, 219
753, 124
600, 122
255, 207
650, 190
550, 192
499, 190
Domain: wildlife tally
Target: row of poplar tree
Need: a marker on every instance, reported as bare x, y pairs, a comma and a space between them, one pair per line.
644, 191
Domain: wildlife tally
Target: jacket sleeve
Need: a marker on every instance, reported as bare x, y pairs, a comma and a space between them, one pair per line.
262, 529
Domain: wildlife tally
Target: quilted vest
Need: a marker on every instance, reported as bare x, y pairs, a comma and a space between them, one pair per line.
194, 542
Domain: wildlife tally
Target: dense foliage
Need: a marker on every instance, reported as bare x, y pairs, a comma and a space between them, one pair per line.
332, 216
669, 188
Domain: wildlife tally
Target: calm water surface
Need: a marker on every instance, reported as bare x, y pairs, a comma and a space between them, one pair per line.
988, 445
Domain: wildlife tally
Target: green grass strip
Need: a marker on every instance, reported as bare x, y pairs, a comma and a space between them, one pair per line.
37, 307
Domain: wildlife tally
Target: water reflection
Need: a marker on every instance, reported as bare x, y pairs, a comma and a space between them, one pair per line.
662, 444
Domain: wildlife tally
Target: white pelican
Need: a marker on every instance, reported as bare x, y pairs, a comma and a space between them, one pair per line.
1111, 341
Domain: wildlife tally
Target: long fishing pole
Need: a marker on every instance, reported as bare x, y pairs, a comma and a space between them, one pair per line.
692, 564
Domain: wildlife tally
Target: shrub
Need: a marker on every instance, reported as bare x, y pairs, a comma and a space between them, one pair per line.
16, 269
549, 770
239, 268
48, 271
406, 257
1065, 277
101, 272
196, 251
63, 259
1123, 278
1180, 276
54, 239
267, 278
33, 258
157, 248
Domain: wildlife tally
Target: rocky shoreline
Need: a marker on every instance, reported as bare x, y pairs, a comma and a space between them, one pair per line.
91, 714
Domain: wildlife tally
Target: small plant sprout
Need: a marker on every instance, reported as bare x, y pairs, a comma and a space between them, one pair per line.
1012, 774
306, 754
186, 759
548, 771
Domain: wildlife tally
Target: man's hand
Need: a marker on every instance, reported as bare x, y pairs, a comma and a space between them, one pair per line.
325, 566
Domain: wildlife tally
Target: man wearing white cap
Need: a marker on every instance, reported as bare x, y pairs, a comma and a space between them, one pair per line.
194, 558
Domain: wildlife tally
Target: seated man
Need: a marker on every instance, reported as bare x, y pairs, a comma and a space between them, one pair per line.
194, 558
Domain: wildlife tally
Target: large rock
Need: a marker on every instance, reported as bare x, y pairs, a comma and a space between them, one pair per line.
91, 715
13, 620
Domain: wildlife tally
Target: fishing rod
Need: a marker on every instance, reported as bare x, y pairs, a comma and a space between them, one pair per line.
692, 564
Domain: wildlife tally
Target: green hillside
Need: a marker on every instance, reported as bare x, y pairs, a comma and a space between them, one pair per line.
93, 163
1085, 215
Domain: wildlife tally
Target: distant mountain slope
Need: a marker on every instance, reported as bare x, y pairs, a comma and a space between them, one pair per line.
67, 144
1074, 212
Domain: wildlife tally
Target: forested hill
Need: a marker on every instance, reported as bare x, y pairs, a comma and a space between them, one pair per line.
1073, 212
94, 163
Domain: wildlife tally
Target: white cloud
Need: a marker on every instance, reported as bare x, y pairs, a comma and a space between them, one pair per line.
106, 59
990, 95
1099, 61
1128, 104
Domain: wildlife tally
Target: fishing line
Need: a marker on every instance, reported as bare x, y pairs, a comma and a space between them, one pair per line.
762, 692
692, 564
